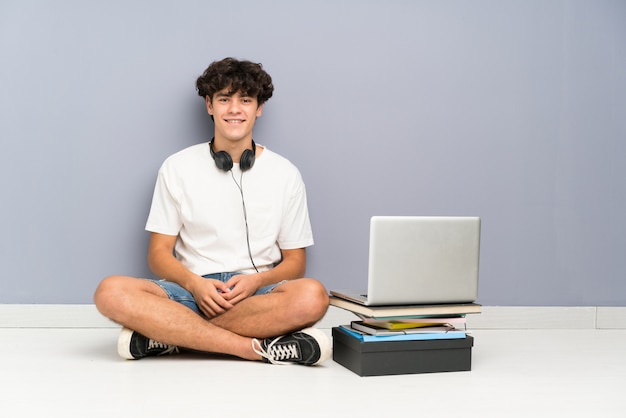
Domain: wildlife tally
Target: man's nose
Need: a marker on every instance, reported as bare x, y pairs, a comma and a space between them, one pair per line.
234, 106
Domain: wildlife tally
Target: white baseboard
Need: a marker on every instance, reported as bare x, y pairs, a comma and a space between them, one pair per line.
52, 316
492, 317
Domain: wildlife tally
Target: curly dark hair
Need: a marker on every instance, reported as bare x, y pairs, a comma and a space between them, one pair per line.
244, 77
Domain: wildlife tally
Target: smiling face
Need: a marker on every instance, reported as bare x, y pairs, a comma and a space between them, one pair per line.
234, 116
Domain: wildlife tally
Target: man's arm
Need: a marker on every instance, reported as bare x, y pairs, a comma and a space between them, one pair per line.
162, 262
292, 266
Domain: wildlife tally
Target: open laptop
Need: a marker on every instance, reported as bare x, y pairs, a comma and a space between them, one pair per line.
416, 260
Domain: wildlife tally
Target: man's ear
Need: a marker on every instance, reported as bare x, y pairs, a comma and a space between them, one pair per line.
209, 105
259, 110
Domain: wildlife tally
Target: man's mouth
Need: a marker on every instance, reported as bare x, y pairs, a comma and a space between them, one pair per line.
234, 121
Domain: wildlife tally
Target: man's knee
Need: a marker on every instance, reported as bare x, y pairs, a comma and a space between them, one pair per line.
111, 294
311, 299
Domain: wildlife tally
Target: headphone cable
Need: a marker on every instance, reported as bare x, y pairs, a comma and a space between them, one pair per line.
245, 215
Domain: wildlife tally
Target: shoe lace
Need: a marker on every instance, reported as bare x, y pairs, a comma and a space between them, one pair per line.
167, 349
276, 353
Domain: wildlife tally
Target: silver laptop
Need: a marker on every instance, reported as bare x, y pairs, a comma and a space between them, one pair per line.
415, 260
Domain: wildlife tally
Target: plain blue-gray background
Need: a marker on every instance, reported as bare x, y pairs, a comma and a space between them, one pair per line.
514, 111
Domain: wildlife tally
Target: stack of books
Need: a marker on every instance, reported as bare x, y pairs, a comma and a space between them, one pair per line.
406, 322
404, 339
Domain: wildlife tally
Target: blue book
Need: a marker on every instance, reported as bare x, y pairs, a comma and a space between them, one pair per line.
450, 335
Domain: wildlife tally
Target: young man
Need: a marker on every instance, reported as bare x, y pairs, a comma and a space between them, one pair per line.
229, 226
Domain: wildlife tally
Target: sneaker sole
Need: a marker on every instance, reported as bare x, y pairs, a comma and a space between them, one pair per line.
123, 344
323, 341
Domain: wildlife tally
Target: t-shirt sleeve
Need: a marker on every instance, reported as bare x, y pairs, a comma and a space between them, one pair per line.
296, 229
164, 216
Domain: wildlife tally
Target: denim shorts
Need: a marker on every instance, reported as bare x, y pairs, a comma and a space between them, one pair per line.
181, 295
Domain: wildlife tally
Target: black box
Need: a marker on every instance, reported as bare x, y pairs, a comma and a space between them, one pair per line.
401, 357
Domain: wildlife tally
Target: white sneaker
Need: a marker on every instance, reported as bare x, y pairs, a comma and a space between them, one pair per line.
132, 345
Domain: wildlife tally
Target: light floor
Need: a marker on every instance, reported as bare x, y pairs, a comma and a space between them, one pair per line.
515, 373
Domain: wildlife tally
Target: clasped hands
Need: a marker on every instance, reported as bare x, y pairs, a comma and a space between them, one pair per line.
215, 297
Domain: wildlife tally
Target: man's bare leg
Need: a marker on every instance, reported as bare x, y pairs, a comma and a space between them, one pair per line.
144, 307
290, 307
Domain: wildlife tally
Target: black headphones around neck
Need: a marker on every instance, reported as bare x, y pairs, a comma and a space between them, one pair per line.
224, 161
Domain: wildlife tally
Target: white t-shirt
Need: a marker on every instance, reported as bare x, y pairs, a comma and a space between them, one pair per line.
202, 205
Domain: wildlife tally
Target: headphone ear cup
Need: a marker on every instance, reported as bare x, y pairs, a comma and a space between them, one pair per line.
247, 160
223, 161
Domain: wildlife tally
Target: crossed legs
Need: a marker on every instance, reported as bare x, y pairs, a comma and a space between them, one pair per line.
143, 306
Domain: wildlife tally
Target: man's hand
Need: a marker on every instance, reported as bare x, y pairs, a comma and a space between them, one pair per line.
241, 287
210, 296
